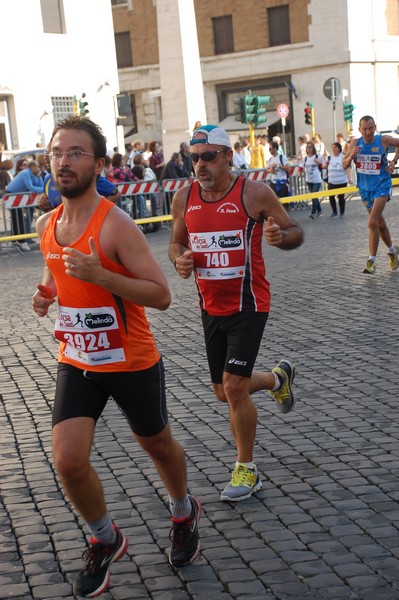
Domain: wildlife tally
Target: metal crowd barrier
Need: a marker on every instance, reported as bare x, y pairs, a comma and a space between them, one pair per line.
17, 209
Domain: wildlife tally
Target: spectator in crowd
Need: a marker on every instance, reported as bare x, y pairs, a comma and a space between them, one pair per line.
258, 159
186, 158
319, 145
173, 168
277, 139
264, 140
26, 180
312, 165
156, 160
337, 178
5, 177
20, 165
301, 148
137, 148
246, 150
43, 164
120, 172
341, 140
278, 169
238, 158
140, 170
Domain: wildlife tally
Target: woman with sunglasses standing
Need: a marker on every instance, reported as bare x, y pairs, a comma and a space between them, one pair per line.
218, 226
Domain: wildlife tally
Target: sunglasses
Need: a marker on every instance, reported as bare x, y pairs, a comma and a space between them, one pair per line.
206, 156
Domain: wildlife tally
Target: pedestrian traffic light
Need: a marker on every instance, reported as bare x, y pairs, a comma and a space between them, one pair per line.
308, 113
75, 106
348, 111
83, 111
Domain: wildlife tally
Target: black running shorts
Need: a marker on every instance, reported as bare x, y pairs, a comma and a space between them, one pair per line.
232, 343
139, 394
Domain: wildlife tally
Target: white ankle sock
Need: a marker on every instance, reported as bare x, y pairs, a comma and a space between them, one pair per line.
249, 465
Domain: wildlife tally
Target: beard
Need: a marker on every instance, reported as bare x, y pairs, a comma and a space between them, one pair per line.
78, 188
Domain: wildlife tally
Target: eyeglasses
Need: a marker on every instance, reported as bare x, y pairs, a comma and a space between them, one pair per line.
72, 155
206, 156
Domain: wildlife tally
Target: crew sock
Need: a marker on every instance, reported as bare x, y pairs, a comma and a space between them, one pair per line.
181, 508
103, 530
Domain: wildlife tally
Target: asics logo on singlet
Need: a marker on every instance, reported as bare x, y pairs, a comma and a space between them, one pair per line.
240, 363
52, 256
194, 207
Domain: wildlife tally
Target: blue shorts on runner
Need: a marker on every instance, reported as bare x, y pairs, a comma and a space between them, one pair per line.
368, 197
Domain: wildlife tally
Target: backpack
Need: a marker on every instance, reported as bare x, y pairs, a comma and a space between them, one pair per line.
281, 161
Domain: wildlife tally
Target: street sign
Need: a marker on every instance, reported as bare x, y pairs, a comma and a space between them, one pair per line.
283, 111
332, 88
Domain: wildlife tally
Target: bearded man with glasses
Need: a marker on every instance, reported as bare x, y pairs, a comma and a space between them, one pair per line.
218, 225
104, 274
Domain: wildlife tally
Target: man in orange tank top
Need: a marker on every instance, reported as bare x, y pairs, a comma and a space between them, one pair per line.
218, 225
101, 269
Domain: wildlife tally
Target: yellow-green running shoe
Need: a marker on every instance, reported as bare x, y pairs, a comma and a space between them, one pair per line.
393, 258
370, 267
284, 396
244, 482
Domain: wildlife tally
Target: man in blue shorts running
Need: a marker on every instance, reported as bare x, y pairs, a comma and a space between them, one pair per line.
374, 182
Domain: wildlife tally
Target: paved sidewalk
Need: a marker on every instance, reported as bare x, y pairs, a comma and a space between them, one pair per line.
324, 525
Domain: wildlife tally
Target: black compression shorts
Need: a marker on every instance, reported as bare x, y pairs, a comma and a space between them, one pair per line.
139, 394
232, 343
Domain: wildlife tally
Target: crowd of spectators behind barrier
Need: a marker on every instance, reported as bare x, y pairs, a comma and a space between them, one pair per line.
145, 161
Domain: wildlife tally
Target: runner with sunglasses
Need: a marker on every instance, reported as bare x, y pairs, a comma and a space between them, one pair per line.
218, 225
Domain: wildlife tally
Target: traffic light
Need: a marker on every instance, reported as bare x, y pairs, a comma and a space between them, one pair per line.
83, 111
75, 106
348, 111
308, 113
239, 110
261, 109
251, 108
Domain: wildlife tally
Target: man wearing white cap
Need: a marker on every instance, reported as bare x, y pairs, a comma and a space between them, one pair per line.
218, 225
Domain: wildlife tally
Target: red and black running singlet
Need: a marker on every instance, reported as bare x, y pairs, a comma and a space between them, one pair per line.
227, 245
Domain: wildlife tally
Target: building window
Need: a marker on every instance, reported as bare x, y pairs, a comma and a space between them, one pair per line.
123, 50
279, 25
115, 2
53, 16
127, 112
223, 34
63, 106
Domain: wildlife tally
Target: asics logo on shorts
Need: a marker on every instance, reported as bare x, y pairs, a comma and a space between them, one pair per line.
240, 363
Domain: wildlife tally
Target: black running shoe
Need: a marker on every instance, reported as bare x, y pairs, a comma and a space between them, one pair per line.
94, 578
185, 537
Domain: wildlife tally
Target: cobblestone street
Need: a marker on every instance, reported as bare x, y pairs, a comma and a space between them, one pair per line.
325, 523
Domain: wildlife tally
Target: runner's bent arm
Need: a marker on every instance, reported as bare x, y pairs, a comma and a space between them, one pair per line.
179, 252
350, 153
280, 230
46, 290
122, 242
